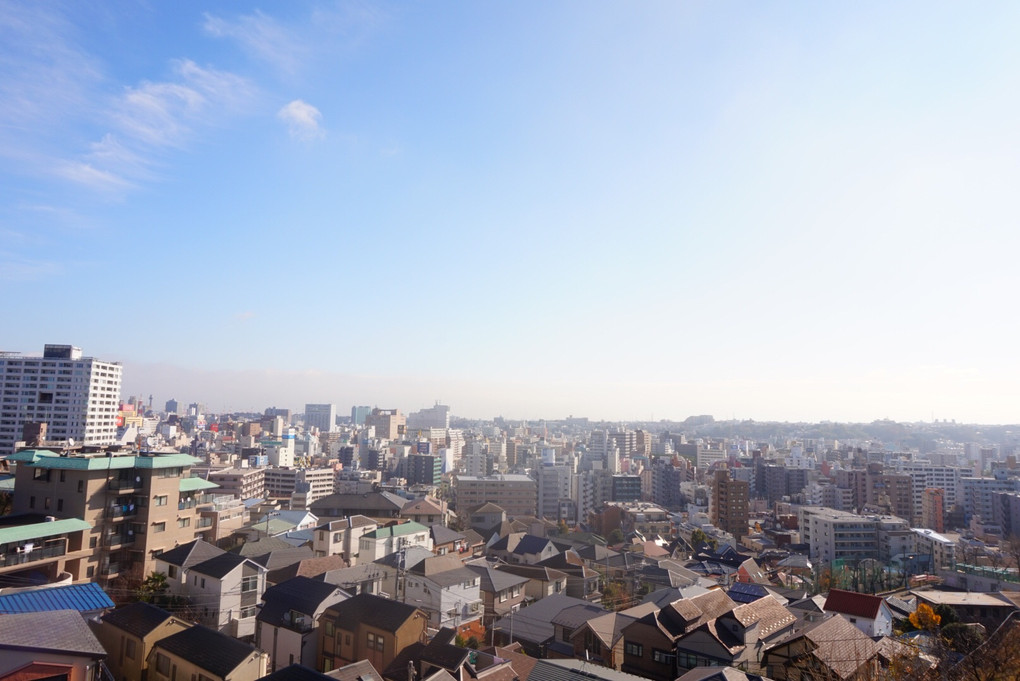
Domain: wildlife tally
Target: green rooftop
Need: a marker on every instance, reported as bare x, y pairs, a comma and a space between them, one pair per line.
397, 530
195, 484
46, 459
22, 533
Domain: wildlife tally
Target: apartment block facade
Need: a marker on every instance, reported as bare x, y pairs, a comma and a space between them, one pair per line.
76, 396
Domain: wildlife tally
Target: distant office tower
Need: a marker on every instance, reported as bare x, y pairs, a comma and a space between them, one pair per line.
358, 415
171, 406
515, 494
77, 397
728, 505
389, 424
432, 417
626, 488
625, 441
321, 416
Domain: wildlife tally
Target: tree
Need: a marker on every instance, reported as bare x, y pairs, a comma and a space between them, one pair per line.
1011, 546
924, 618
562, 527
615, 537
962, 638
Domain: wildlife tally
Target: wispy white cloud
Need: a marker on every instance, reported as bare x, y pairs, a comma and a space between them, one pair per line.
262, 37
15, 267
90, 176
303, 120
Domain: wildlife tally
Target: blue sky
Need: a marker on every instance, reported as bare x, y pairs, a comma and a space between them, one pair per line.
772, 211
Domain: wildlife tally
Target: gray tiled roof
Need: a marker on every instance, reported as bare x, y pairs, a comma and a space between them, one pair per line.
138, 619
207, 649
56, 630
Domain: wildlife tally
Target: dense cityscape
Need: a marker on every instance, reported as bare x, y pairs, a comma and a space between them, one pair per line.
144, 542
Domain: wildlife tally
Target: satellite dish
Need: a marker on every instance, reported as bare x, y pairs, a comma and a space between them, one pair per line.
70, 442
150, 441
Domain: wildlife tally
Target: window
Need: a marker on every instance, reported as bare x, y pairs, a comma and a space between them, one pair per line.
687, 661
171, 572
159, 527
93, 541
46, 503
203, 582
635, 649
129, 648
565, 636
63, 476
661, 656
250, 583
162, 664
90, 572
81, 486
160, 500
330, 629
60, 504
375, 642
183, 522
247, 611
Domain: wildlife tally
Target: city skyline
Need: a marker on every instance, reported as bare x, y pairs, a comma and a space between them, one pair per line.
794, 213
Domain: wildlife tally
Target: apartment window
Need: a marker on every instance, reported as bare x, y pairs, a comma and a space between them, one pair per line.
247, 611
90, 572
633, 648
129, 648
162, 664
330, 629
63, 476
375, 642
183, 522
160, 500
661, 656
159, 527
81, 486
60, 504
92, 542
250, 583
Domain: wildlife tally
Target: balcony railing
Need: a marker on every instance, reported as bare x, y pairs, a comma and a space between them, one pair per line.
111, 569
42, 553
119, 484
121, 511
119, 539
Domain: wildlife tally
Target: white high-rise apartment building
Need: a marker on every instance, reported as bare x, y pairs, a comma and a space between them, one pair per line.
321, 416
76, 397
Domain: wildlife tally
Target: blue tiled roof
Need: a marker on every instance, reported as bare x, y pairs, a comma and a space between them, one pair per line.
80, 597
746, 593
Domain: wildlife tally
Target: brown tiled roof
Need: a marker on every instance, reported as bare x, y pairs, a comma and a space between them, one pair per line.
853, 604
770, 614
840, 645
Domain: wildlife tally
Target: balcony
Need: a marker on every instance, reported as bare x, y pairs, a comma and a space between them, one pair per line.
121, 511
120, 485
118, 539
42, 553
111, 569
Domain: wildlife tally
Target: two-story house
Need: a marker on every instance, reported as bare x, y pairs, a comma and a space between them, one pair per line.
870, 614
502, 592
386, 540
203, 654
342, 537
582, 581
521, 548
286, 624
600, 639
542, 581
446, 589
128, 634
368, 627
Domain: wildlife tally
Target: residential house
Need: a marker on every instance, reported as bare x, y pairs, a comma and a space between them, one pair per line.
441, 660
649, 647
542, 581
736, 638
502, 592
342, 537
128, 634
224, 587
368, 627
286, 624
520, 548
565, 623
445, 588
485, 516
427, 511
582, 581
203, 653
366, 578
445, 540
309, 567
870, 614
831, 648
532, 626
386, 540
371, 504
47, 646
576, 670
600, 639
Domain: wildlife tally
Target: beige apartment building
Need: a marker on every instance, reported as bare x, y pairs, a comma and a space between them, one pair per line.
134, 506
515, 494
243, 483
728, 505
